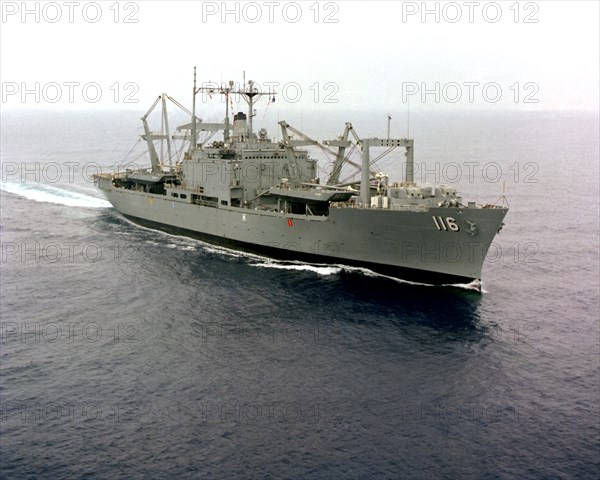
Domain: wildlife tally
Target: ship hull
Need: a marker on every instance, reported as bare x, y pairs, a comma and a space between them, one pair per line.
404, 273
409, 245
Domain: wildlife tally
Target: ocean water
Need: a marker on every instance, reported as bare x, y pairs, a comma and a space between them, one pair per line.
129, 353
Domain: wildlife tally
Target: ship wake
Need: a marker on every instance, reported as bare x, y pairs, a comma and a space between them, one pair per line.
39, 192
324, 270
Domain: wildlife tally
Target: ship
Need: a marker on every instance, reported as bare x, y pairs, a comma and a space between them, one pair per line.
244, 190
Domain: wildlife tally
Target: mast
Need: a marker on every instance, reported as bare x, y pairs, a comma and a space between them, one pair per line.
226, 91
410, 162
365, 184
247, 94
194, 140
408, 118
250, 95
389, 121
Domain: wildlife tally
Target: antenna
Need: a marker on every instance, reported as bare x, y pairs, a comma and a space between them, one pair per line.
248, 93
388, 125
408, 118
193, 140
227, 101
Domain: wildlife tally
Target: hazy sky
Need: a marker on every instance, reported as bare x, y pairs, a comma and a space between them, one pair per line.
492, 55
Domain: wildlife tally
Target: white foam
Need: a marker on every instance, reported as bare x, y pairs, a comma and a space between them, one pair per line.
301, 267
371, 273
232, 253
475, 285
40, 192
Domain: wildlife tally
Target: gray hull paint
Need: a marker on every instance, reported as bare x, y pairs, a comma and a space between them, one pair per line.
406, 244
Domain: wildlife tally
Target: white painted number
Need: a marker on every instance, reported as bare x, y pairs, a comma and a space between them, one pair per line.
448, 224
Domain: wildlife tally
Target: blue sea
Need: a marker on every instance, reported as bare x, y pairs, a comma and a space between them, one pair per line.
130, 353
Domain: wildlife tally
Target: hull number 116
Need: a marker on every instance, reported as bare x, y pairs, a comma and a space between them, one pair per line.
448, 224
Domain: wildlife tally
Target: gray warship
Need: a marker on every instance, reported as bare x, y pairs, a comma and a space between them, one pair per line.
247, 191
